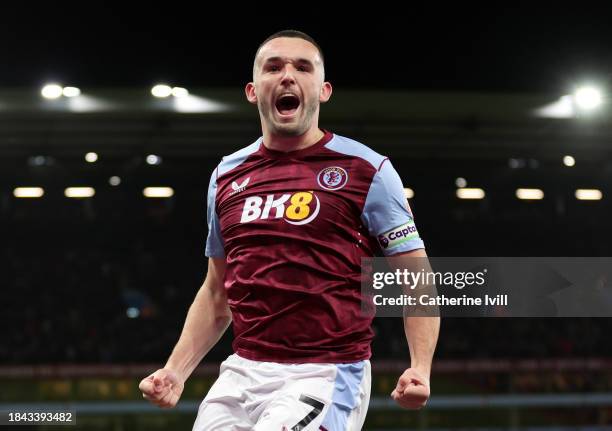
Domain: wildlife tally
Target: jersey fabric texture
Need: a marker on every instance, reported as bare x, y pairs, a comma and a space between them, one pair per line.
293, 227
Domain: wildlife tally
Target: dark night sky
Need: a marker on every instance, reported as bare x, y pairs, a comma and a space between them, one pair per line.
491, 49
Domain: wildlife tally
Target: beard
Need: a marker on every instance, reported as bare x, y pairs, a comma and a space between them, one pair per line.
295, 128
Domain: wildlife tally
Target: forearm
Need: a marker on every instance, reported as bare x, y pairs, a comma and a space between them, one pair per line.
206, 321
421, 323
422, 335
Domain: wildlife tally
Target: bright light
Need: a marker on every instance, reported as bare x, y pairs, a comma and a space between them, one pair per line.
71, 92
88, 103
529, 194
28, 192
463, 193
161, 90
569, 161
158, 192
588, 195
460, 182
152, 159
180, 92
132, 312
91, 157
79, 192
588, 98
114, 180
408, 193
192, 104
51, 91
565, 107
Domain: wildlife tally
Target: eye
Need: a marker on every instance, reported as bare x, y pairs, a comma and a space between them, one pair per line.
273, 68
302, 68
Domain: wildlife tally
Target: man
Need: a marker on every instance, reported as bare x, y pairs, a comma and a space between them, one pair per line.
290, 217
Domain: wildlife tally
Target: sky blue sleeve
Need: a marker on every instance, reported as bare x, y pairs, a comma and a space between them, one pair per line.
214, 241
386, 213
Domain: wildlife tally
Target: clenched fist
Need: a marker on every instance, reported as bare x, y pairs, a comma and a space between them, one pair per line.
412, 390
163, 388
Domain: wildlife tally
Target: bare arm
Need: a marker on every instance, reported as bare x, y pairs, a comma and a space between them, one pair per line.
207, 319
412, 389
422, 335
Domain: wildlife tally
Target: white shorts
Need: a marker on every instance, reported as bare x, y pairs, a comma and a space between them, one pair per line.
269, 396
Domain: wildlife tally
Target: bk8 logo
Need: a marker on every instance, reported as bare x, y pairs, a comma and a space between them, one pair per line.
302, 209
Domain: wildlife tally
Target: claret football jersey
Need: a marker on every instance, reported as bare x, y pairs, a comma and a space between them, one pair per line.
293, 227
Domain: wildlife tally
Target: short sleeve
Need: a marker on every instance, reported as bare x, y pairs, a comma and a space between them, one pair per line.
387, 215
214, 241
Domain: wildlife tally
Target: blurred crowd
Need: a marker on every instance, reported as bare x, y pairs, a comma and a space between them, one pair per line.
87, 297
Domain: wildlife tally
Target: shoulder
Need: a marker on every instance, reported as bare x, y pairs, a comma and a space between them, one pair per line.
351, 147
235, 159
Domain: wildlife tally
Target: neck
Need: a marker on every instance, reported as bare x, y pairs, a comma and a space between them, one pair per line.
286, 143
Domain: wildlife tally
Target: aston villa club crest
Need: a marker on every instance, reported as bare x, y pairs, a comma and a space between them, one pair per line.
332, 178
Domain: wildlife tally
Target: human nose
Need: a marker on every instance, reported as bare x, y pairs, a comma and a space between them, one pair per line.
288, 75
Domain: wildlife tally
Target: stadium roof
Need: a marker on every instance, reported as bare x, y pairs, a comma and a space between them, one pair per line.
214, 120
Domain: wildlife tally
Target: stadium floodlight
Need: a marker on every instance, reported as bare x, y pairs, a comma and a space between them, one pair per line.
529, 194
588, 98
91, 157
588, 194
471, 193
180, 92
28, 192
158, 192
71, 91
114, 180
79, 192
153, 159
408, 193
569, 161
52, 91
161, 91
460, 182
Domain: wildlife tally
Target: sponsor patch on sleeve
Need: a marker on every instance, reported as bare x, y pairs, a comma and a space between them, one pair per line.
398, 235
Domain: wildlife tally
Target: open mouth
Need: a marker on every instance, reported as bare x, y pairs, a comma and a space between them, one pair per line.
287, 104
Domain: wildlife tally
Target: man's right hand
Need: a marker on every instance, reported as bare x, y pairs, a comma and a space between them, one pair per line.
162, 388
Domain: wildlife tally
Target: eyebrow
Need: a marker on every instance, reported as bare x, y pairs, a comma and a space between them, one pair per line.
299, 60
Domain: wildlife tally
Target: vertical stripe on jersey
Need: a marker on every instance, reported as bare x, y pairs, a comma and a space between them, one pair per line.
345, 396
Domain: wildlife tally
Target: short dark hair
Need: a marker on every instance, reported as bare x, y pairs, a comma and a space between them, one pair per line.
292, 33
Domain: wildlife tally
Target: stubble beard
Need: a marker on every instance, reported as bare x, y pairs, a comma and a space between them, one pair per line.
294, 129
